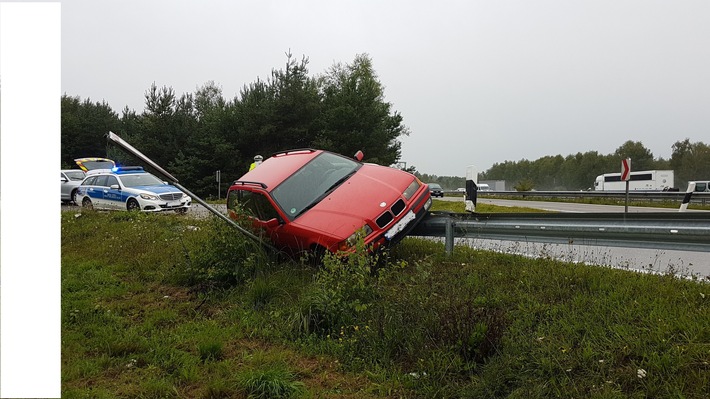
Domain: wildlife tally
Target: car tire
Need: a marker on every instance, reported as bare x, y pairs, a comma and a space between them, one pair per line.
86, 203
73, 198
132, 205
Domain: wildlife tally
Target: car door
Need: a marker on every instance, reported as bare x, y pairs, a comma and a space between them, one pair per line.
91, 189
263, 213
66, 187
112, 194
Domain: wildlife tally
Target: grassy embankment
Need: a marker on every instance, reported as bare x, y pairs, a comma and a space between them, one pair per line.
160, 306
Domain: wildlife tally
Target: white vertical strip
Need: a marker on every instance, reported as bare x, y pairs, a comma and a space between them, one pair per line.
30, 89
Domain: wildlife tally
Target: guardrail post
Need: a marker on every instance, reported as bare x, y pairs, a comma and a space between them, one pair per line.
449, 236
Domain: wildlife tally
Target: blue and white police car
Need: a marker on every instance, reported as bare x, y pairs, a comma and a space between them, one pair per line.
130, 188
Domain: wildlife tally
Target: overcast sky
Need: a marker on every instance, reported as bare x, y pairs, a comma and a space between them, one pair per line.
477, 82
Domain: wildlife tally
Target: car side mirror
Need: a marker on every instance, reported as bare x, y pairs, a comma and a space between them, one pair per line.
359, 155
115, 187
64, 179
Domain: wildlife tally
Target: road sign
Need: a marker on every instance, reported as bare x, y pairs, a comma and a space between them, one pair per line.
626, 169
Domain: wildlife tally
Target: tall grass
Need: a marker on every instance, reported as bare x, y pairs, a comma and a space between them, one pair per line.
168, 306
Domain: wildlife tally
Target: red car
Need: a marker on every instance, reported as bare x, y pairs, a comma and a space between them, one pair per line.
315, 200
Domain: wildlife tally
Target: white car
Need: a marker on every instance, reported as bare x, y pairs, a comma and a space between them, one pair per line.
70, 181
130, 188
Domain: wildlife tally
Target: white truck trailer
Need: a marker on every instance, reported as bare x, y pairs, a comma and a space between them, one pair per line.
647, 180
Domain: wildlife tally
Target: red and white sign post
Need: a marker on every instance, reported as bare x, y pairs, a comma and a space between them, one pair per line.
626, 176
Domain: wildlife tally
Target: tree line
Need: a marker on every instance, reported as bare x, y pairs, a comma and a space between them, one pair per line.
342, 110
195, 134
689, 161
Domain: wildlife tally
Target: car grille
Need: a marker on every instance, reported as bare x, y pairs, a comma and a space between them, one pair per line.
398, 207
170, 196
388, 216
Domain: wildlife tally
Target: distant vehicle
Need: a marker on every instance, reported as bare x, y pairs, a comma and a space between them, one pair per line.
435, 190
130, 188
461, 190
70, 180
483, 187
310, 200
648, 180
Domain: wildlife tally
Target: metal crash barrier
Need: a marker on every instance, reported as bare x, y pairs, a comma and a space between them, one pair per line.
674, 231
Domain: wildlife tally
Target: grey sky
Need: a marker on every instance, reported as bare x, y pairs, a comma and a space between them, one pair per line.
477, 82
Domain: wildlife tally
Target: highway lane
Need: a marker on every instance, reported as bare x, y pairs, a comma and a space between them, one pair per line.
568, 206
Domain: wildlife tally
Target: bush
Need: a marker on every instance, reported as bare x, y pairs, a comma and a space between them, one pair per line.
227, 257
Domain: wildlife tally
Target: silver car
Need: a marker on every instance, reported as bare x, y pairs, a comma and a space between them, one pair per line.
70, 180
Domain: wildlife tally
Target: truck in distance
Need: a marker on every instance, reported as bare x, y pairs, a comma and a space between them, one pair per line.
647, 180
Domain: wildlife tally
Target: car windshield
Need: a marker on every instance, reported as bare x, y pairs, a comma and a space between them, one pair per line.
434, 186
313, 182
76, 175
141, 179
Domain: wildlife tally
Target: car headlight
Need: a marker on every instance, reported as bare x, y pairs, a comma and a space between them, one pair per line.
409, 192
354, 237
149, 196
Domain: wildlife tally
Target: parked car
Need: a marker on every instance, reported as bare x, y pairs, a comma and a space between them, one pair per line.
70, 181
130, 188
436, 190
315, 200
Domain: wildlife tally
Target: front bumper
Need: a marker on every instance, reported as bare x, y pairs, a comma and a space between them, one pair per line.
161, 206
420, 209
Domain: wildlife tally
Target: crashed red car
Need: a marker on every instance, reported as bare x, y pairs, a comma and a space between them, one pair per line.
315, 200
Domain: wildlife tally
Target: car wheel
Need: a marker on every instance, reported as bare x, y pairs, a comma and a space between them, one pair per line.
86, 203
132, 205
73, 198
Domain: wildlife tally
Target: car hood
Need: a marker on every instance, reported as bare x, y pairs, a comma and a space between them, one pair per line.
362, 198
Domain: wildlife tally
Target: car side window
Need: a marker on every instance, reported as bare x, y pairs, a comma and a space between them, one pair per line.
89, 181
257, 205
101, 180
111, 180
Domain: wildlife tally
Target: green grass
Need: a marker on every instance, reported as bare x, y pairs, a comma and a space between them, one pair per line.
168, 306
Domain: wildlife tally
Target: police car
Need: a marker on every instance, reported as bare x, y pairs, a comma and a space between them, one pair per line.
130, 188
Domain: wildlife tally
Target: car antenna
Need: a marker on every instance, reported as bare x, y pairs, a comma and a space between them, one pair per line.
113, 137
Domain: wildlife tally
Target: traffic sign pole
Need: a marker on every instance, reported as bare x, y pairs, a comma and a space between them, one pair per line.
626, 176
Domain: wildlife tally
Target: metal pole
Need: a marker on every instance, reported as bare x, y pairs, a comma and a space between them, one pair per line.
626, 205
121, 143
219, 178
449, 236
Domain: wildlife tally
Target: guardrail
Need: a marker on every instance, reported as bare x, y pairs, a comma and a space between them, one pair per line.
676, 231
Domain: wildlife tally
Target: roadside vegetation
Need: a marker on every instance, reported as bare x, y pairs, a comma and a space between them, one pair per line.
167, 306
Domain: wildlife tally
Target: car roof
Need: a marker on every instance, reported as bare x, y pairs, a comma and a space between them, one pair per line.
279, 166
123, 170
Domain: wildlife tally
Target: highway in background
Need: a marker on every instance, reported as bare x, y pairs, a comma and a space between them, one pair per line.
685, 263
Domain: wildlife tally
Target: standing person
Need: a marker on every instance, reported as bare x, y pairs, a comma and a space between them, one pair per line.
257, 162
